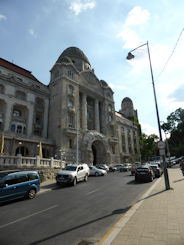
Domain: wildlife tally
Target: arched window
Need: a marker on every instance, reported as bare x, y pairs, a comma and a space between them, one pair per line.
19, 129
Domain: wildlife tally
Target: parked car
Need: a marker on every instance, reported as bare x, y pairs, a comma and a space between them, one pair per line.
144, 173
103, 166
157, 170
96, 171
126, 167
15, 185
116, 167
134, 167
72, 174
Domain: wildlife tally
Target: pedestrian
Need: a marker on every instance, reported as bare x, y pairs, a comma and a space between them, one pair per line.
182, 167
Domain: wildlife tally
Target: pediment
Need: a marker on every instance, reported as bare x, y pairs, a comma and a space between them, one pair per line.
88, 78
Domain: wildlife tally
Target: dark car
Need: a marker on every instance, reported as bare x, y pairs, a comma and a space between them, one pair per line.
144, 173
116, 167
157, 170
18, 184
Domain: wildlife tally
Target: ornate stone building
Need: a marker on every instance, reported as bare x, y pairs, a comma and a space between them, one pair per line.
74, 116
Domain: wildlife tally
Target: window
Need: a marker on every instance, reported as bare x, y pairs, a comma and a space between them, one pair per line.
109, 108
1, 126
70, 74
19, 129
70, 143
70, 90
70, 103
110, 118
70, 121
32, 176
17, 113
113, 149
13, 128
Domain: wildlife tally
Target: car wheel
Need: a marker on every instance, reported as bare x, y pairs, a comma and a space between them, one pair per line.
86, 178
151, 178
121, 170
136, 179
31, 193
96, 174
74, 182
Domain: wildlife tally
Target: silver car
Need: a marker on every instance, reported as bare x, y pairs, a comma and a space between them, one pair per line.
96, 171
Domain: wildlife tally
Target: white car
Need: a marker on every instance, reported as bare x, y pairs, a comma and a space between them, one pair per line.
72, 174
96, 171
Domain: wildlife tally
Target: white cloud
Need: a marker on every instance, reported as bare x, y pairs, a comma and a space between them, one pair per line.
2, 17
148, 129
114, 86
78, 6
137, 16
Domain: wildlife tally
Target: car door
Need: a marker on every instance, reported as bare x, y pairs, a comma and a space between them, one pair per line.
80, 171
8, 189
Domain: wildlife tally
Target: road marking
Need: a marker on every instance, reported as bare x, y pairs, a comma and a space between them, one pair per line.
89, 193
29, 216
113, 232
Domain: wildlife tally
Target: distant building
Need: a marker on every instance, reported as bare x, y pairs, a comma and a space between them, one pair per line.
73, 117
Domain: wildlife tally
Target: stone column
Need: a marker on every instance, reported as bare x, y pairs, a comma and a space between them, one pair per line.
30, 121
126, 141
97, 122
8, 116
132, 141
120, 138
45, 122
84, 111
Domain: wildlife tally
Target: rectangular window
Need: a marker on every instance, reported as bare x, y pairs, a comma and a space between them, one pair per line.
70, 90
70, 121
70, 143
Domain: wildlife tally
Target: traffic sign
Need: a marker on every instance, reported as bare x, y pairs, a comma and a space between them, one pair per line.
161, 145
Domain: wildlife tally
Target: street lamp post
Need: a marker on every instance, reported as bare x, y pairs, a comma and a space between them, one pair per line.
129, 57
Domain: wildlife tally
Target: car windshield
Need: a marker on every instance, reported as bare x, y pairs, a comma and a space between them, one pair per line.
70, 168
154, 166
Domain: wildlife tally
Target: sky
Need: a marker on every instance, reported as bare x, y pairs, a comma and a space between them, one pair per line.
34, 33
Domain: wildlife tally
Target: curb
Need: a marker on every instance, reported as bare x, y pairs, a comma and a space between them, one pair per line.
113, 232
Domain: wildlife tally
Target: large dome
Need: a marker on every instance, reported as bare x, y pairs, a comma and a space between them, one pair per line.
73, 52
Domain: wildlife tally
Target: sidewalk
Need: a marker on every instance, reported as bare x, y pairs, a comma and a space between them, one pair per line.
156, 219
47, 185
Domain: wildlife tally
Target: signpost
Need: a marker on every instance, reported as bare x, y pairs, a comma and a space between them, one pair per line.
161, 146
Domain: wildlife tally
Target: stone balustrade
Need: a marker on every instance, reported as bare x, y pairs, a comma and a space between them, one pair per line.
36, 162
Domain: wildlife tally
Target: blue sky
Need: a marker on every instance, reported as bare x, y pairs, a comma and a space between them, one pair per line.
34, 33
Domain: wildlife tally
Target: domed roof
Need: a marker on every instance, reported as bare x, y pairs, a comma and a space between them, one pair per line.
73, 52
126, 99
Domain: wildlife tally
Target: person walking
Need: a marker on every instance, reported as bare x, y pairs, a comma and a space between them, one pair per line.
182, 167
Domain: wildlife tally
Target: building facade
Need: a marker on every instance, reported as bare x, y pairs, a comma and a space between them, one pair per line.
73, 117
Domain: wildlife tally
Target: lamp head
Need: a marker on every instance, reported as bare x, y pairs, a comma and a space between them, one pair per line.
130, 56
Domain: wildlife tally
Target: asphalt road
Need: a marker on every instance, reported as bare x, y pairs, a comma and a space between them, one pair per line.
69, 215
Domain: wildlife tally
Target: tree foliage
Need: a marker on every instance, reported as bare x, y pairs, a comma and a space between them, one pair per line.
175, 126
149, 146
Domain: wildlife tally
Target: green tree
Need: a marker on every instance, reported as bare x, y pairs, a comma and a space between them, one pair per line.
149, 146
175, 126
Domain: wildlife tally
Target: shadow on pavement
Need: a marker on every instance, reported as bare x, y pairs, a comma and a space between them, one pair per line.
157, 193
115, 212
178, 180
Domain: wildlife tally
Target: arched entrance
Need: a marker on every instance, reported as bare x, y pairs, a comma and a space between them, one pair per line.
22, 150
99, 154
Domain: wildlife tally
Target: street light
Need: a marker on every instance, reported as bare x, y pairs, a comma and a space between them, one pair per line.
129, 57
20, 143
